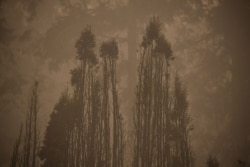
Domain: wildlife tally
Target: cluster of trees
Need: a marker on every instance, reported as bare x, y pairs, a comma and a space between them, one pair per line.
86, 127
88, 124
161, 119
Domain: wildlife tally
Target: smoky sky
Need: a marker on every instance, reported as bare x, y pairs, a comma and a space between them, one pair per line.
210, 42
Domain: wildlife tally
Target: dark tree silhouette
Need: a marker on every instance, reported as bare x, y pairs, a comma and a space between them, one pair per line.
75, 142
89, 124
160, 117
152, 105
85, 49
181, 126
56, 141
110, 106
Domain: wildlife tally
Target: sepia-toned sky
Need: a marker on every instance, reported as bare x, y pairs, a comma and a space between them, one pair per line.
37, 39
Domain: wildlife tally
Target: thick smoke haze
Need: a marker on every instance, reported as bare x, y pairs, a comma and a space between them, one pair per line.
209, 39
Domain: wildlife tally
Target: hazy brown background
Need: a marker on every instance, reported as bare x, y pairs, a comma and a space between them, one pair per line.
210, 39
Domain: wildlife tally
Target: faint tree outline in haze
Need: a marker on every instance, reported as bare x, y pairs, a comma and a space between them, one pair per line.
27, 144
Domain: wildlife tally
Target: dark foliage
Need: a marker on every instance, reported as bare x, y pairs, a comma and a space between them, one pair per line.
161, 119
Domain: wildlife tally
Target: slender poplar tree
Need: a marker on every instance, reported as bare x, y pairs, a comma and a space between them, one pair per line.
182, 154
113, 129
155, 141
26, 146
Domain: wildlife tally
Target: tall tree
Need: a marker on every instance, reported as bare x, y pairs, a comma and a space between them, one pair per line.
161, 121
181, 126
93, 136
54, 151
26, 147
109, 53
75, 117
151, 116
85, 49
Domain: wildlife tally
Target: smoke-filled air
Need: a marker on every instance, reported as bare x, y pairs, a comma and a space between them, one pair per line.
124, 83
